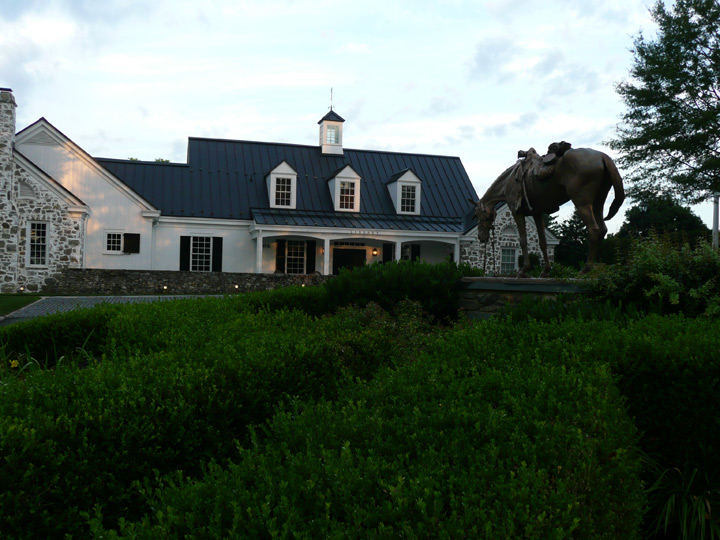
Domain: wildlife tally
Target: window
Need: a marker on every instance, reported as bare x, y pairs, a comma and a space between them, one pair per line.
332, 135
295, 257
407, 199
507, 261
201, 253
38, 244
347, 195
283, 192
113, 242
118, 242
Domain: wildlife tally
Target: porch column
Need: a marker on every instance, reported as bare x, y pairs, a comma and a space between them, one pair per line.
326, 258
398, 251
259, 253
457, 251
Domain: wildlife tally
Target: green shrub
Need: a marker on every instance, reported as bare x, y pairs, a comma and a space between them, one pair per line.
433, 285
471, 440
74, 438
661, 277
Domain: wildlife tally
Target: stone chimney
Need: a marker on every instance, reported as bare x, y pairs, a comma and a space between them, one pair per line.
7, 134
8, 212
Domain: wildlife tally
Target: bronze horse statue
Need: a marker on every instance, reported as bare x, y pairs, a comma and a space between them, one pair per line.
533, 188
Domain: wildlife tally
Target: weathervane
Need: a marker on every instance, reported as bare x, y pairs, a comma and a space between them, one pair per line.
331, 98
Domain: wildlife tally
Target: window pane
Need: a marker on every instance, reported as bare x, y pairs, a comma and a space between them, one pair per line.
201, 254
295, 260
507, 261
38, 243
283, 187
347, 195
407, 199
332, 135
114, 242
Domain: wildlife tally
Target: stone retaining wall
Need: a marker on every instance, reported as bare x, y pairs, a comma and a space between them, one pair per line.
483, 296
73, 281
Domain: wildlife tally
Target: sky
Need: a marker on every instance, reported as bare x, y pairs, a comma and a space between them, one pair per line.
476, 79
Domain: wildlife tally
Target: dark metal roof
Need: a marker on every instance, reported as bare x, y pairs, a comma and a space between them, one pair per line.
332, 116
226, 179
396, 222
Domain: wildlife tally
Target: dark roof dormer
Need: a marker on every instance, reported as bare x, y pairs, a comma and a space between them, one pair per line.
331, 133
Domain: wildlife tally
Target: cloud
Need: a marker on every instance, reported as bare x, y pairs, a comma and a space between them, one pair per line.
522, 122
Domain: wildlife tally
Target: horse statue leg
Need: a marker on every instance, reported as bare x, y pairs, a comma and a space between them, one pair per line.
540, 225
522, 231
596, 232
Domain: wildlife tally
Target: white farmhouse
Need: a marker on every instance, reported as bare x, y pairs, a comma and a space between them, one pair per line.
234, 207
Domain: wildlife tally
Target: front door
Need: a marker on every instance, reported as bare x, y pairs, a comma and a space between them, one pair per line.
347, 258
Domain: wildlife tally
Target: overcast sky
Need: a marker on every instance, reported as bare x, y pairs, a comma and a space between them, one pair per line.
476, 79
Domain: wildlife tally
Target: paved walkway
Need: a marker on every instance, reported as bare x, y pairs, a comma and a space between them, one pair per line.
54, 304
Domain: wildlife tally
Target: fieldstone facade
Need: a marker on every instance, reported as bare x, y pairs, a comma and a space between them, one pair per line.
33, 210
488, 256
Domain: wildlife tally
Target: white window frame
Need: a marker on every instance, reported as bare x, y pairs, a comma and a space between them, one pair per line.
406, 201
295, 256
282, 171
119, 251
31, 244
504, 264
204, 257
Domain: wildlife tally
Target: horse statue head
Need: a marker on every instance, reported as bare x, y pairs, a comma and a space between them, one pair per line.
485, 214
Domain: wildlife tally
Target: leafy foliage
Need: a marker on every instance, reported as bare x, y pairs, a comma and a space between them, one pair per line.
473, 439
669, 138
573, 247
663, 215
660, 277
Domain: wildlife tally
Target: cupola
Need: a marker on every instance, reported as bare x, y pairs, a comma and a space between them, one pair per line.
331, 126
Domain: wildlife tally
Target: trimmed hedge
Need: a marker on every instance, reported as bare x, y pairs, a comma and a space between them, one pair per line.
73, 438
472, 440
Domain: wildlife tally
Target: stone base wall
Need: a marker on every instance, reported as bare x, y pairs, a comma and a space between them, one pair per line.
73, 281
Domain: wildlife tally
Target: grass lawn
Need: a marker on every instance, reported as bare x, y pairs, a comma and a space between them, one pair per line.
11, 302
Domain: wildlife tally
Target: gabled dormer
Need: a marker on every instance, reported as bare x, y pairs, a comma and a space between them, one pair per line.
405, 190
331, 126
345, 190
282, 186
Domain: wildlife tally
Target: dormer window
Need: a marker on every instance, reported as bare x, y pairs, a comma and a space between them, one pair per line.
282, 186
407, 199
331, 134
345, 190
405, 189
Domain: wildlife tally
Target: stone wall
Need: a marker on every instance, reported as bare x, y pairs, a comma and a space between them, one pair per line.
73, 281
8, 215
488, 256
36, 203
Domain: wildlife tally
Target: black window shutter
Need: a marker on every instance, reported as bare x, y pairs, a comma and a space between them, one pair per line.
184, 253
217, 243
310, 256
280, 257
414, 252
387, 255
131, 243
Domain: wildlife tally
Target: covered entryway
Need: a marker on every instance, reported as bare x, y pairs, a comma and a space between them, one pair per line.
348, 258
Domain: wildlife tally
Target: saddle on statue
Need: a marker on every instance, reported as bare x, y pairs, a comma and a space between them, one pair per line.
546, 167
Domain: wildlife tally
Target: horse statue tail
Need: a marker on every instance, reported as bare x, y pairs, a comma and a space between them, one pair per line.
613, 174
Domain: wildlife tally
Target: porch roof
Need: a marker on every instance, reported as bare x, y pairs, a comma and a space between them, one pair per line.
310, 218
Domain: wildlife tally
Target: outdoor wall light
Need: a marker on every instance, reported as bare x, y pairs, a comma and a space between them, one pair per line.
374, 252
21, 289
237, 286
164, 287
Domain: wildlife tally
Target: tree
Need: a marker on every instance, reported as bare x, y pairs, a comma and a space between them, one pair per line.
573, 247
664, 215
669, 138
